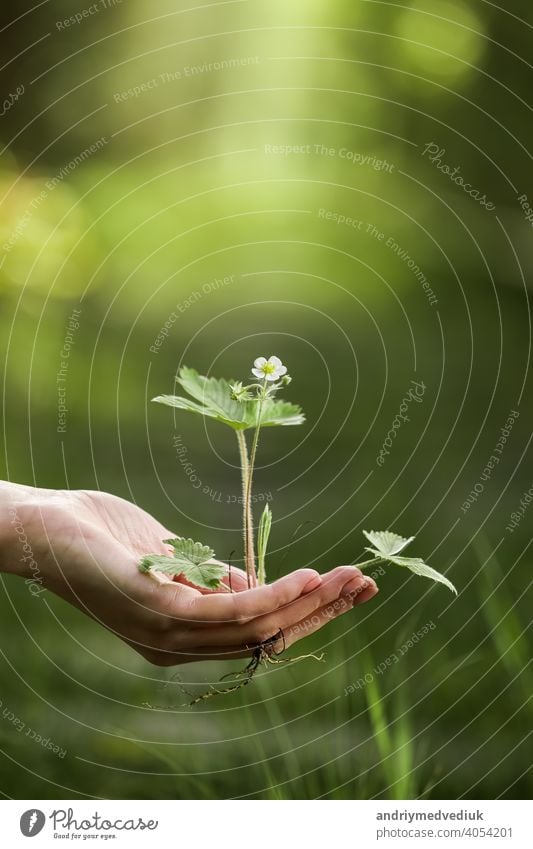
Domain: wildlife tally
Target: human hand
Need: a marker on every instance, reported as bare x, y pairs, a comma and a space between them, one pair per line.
86, 547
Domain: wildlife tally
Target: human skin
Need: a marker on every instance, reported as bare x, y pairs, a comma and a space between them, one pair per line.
86, 546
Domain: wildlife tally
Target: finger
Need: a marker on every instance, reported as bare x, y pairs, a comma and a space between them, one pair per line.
328, 612
160, 657
342, 580
189, 605
367, 593
298, 631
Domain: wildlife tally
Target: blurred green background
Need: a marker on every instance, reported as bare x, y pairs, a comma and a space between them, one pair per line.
196, 159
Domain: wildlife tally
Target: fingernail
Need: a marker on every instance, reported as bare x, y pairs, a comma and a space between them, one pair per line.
354, 586
312, 584
358, 596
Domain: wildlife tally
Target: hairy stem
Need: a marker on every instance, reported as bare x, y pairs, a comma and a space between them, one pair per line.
247, 523
250, 564
368, 562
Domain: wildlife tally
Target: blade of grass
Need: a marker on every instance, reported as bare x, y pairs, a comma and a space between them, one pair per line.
507, 632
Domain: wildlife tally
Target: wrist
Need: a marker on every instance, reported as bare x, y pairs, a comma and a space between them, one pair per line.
17, 555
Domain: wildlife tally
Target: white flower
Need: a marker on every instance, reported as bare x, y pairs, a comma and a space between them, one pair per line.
271, 369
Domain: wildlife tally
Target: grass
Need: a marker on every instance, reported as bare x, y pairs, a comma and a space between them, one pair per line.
508, 633
423, 728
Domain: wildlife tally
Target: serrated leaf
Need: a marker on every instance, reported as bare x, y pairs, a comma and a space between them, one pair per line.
275, 413
188, 551
182, 404
415, 565
214, 395
160, 563
191, 407
190, 559
206, 575
212, 398
386, 542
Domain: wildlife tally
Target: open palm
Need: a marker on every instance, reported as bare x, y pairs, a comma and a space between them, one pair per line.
88, 546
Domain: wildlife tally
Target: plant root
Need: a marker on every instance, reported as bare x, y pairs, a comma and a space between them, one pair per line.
263, 654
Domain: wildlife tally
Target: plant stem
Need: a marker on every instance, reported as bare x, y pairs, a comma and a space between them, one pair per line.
250, 558
368, 562
247, 524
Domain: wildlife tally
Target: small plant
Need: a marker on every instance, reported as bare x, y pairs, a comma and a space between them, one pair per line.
254, 407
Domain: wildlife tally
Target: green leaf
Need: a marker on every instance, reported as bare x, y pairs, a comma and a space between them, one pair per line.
387, 547
160, 563
386, 542
190, 559
263, 534
187, 551
212, 398
214, 395
414, 564
275, 413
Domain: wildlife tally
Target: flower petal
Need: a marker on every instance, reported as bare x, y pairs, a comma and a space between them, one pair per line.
258, 373
281, 370
272, 376
259, 362
275, 361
